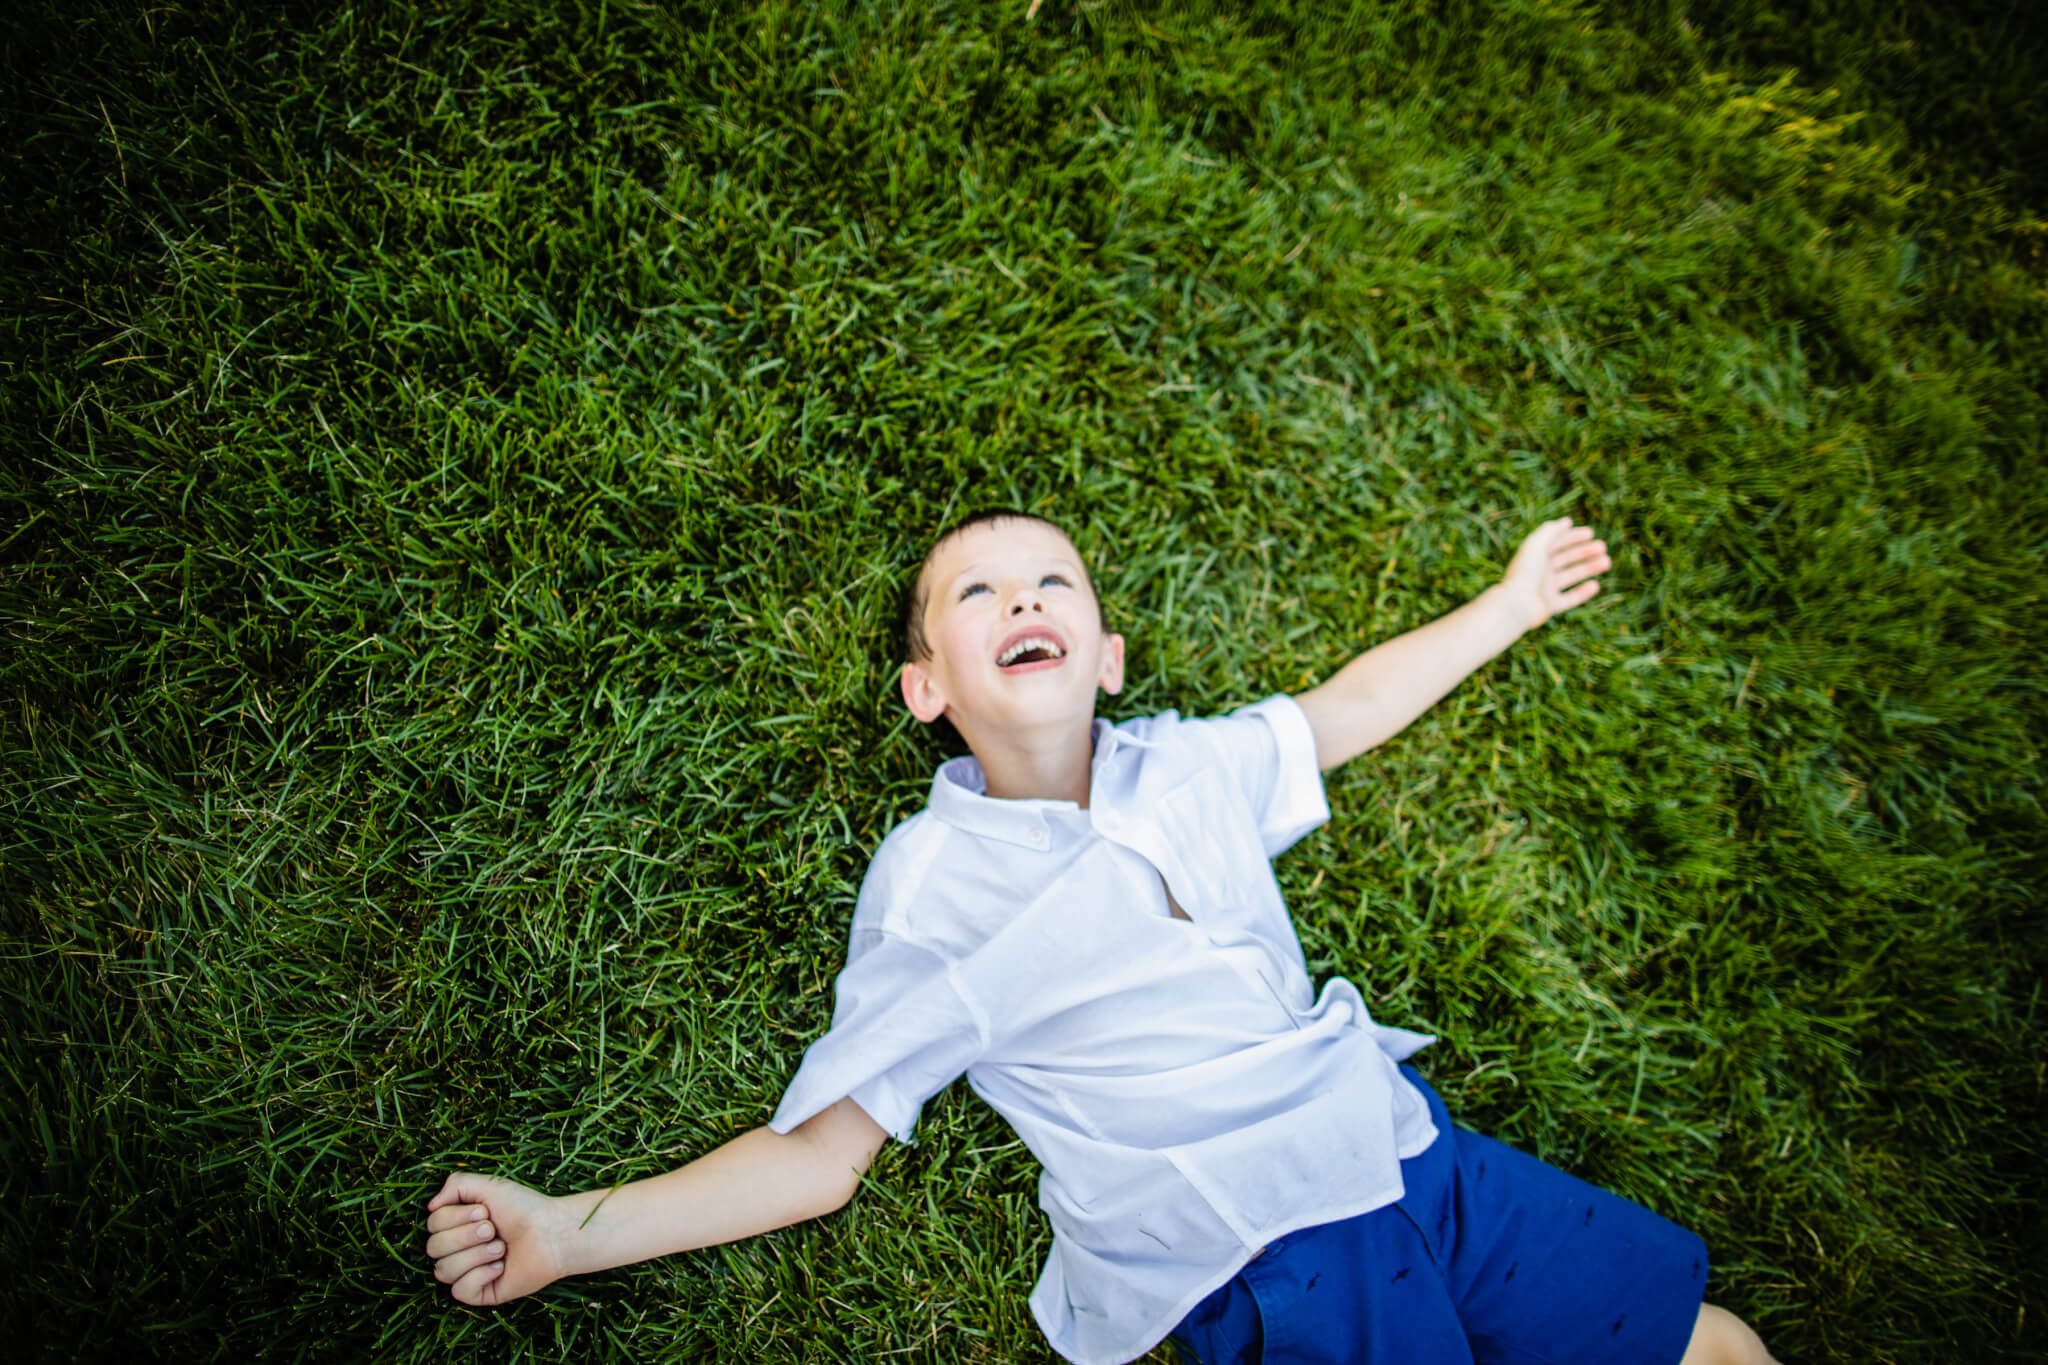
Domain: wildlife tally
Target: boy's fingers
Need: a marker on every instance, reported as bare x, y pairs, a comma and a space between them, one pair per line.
449, 1269
459, 1239
1556, 535
1589, 557
474, 1287
453, 1215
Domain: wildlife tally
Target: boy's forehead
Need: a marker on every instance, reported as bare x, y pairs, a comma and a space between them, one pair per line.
990, 541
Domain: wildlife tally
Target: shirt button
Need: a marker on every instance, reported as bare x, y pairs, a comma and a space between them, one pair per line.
1038, 837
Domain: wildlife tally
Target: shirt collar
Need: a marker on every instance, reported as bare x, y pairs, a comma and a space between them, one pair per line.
960, 795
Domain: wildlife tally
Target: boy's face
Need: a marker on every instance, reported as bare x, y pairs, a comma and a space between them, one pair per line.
1015, 632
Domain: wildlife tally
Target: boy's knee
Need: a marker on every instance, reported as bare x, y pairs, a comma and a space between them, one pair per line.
1721, 1338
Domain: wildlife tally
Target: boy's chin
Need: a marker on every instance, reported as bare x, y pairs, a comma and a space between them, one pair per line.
1023, 712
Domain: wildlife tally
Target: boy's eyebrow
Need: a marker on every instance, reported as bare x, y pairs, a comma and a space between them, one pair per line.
981, 570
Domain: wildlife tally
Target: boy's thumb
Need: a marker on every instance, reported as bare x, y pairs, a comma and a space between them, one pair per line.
461, 1187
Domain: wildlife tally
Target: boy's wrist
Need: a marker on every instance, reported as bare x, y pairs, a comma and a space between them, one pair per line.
1512, 610
568, 1233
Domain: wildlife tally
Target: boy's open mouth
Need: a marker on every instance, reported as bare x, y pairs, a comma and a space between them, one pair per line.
1030, 647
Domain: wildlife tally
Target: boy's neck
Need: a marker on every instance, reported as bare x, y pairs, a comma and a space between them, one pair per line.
1054, 764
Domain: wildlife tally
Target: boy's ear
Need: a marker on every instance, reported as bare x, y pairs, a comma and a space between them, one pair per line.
921, 694
1112, 676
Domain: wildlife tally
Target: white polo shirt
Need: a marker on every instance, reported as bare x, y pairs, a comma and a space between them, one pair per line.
1188, 1095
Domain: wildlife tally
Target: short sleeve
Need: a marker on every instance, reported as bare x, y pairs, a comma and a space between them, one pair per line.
901, 1032
1269, 752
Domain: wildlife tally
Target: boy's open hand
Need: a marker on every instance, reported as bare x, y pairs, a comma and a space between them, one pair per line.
492, 1239
1553, 571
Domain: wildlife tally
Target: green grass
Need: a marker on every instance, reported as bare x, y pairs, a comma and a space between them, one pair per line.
462, 460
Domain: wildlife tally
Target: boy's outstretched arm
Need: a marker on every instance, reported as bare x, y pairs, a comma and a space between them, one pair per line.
1372, 698
495, 1240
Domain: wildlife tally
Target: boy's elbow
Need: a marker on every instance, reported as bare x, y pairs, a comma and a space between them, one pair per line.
843, 1141
830, 1187
1342, 718
838, 1192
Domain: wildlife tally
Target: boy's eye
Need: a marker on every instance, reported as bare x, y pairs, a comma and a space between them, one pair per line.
971, 589
1052, 578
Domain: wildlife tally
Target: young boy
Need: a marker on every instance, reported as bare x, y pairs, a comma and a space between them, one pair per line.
1084, 920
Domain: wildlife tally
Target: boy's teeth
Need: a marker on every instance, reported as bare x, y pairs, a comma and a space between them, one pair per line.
1025, 646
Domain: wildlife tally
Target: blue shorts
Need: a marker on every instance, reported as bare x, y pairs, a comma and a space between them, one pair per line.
1490, 1256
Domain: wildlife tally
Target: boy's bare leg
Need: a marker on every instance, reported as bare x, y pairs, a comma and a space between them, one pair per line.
1721, 1338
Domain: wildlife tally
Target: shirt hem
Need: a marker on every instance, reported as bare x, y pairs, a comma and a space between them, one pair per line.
1162, 1328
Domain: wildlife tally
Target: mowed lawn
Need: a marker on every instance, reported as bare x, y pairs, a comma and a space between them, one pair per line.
461, 462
